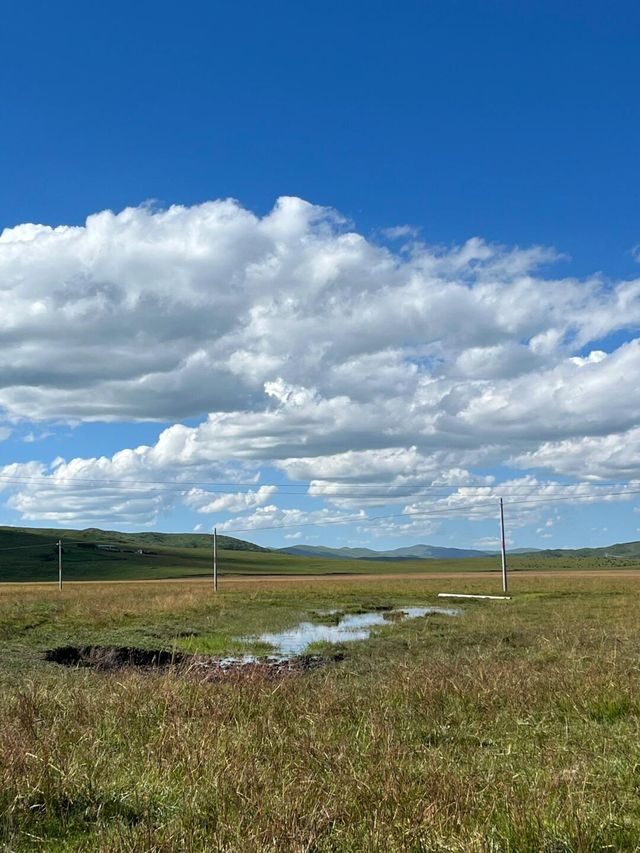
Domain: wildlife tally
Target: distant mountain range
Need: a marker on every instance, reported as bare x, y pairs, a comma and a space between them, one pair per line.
413, 552
16, 538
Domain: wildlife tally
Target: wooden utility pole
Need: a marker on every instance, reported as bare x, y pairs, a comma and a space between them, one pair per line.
215, 560
60, 564
503, 550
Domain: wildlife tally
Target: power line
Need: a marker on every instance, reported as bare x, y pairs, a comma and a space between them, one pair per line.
428, 513
281, 491
181, 484
576, 497
355, 518
284, 489
515, 498
450, 510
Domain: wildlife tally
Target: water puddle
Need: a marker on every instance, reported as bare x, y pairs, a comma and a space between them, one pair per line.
350, 627
290, 648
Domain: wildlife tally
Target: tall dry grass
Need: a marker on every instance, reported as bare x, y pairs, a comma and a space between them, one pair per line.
512, 728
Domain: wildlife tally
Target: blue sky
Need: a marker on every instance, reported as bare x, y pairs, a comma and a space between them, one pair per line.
441, 309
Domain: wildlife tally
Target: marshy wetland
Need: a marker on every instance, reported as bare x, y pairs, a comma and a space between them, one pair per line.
511, 727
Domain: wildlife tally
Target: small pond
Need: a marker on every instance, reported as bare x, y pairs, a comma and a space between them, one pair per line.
290, 648
350, 627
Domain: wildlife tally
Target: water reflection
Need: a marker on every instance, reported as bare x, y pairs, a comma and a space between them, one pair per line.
350, 627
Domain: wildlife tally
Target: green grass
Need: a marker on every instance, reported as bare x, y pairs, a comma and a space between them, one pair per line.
169, 556
512, 728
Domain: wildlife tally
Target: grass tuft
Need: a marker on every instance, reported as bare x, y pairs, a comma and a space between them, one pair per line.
512, 728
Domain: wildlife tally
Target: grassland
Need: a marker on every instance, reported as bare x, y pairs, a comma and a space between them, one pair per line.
30, 555
511, 728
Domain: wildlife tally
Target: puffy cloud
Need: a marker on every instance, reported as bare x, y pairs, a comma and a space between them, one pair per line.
31, 437
127, 488
378, 477
491, 543
613, 456
526, 499
210, 307
545, 532
398, 528
271, 517
205, 502
48, 496
371, 373
400, 232
300, 435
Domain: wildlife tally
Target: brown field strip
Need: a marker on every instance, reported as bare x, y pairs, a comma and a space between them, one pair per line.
237, 581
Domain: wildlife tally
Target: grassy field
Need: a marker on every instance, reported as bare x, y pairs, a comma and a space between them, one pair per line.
513, 727
30, 555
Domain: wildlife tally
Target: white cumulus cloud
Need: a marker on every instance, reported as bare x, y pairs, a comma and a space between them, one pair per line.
302, 345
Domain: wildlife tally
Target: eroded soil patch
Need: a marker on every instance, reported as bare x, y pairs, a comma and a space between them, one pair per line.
113, 657
109, 658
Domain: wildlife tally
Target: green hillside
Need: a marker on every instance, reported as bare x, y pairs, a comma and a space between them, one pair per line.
30, 554
12, 536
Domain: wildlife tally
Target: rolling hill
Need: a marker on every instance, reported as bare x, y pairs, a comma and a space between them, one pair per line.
30, 554
93, 535
413, 552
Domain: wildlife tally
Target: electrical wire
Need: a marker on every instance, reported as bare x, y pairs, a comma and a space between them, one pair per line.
511, 500
428, 513
182, 484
